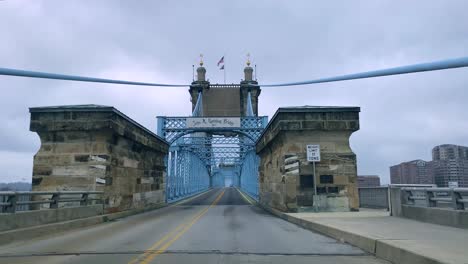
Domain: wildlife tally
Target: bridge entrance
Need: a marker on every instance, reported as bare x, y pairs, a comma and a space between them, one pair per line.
215, 146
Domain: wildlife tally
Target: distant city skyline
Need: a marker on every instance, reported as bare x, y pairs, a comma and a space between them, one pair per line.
448, 167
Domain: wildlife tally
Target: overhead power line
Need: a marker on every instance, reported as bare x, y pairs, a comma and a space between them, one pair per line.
422, 67
45, 75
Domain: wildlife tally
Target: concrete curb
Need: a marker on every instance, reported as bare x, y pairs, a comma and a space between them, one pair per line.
21, 234
381, 248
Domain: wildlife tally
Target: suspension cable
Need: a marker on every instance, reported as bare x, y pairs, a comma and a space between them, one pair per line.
422, 67
45, 75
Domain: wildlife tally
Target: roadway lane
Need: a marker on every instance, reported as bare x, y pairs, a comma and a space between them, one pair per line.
219, 226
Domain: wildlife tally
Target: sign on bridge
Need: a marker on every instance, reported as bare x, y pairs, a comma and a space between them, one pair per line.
313, 153
213, 122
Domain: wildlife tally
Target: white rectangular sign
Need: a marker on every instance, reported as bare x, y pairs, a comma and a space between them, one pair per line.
313, 153
453, 184
213, 122
101, 180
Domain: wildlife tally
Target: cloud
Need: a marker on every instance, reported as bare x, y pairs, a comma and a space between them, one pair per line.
402, 117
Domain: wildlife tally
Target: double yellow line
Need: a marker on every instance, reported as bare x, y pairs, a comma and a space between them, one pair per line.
166, 241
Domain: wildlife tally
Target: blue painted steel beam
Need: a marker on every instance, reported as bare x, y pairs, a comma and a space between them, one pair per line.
55, 76
249, 174
186, 175
422, 67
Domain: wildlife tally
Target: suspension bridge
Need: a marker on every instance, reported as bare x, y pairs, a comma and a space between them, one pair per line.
212, 176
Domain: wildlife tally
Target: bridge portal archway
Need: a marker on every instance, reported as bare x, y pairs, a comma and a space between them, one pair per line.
200, 158
217, 142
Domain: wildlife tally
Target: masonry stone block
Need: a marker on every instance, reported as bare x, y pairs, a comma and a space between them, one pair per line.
286, 178
98, 148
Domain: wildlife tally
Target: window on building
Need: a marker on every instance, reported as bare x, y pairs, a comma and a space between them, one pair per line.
326, 178
307, 181
321, 190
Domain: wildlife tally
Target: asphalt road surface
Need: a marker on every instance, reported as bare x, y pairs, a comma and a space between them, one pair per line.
220, 226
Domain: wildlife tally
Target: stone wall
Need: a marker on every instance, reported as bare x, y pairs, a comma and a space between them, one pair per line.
92, 147
287, 179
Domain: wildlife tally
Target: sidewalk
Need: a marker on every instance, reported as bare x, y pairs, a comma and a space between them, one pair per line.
395, 239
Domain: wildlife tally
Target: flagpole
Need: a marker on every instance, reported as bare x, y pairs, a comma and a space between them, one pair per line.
224, 70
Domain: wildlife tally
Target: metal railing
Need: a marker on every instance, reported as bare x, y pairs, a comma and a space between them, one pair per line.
219, 85
10, 202
374, 197
380, 197
455, 198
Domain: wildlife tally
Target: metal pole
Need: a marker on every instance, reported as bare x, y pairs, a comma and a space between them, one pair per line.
193, 72
255, 72
315, 187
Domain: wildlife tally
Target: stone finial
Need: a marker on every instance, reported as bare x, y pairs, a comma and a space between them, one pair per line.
201, 71
248, 71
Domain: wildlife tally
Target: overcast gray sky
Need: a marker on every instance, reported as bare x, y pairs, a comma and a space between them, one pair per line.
402, 117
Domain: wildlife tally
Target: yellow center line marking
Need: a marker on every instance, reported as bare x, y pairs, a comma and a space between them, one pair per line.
150, 254
162, 240
245, 197
190, 198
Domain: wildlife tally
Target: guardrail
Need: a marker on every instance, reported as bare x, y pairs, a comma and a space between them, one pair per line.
456, 198
374, 197
11, 202
380, 197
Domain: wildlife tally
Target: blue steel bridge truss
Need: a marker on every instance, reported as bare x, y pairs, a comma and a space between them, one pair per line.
172, 128
200, 158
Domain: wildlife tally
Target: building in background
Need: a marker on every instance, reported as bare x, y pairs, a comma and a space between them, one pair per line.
412, 172
368, 181
450, 164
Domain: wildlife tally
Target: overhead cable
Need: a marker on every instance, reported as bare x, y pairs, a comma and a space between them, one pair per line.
45, 75
422, 67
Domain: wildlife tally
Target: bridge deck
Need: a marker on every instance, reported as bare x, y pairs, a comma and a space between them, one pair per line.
219, 226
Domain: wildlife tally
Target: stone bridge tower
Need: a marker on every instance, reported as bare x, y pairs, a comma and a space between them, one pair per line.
225, 100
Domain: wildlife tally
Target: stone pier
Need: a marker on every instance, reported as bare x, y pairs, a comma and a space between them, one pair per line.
286, 178
92, 147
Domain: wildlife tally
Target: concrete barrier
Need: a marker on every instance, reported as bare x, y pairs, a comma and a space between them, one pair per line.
419, 211
440, 216
20, 234
41, 217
